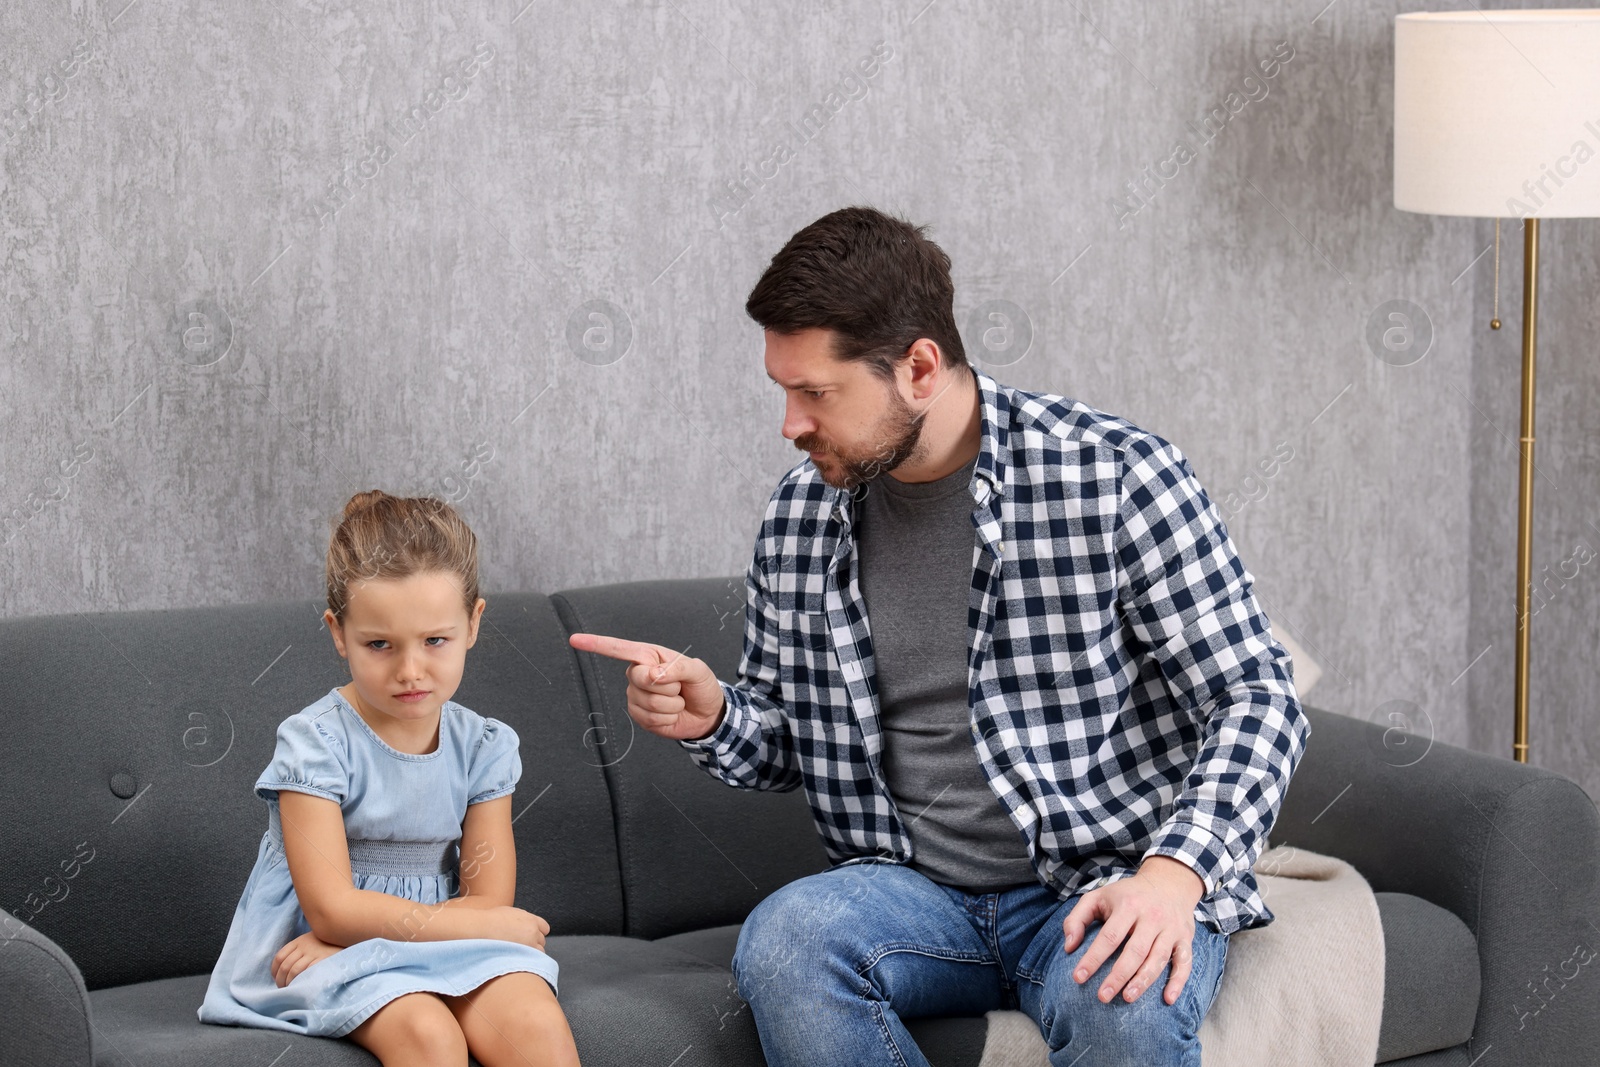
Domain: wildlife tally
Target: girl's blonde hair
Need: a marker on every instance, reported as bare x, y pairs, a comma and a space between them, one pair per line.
383, 537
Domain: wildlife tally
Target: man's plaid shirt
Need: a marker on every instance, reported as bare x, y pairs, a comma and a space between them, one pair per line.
1128, 698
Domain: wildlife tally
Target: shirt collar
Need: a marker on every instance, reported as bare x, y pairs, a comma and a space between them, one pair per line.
994, 408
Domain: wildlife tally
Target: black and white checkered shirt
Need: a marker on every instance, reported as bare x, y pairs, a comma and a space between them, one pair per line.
1128, 697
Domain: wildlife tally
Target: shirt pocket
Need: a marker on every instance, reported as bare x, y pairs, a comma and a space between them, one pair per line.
804, 642
802, 619
800, 601
807, 666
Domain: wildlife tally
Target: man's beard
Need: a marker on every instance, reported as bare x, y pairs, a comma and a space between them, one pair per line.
900, 436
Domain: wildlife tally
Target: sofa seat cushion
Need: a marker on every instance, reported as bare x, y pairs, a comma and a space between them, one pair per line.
628, 1001
154, 1022
1431, 977
715, 944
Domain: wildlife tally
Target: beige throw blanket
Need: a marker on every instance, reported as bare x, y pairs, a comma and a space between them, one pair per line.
1307, 988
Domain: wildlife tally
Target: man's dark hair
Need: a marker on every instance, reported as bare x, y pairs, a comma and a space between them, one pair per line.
876, 281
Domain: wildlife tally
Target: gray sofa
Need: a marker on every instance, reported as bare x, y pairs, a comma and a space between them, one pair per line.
133, 739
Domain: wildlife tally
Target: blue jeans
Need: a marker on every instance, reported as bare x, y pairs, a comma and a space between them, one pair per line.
831, 963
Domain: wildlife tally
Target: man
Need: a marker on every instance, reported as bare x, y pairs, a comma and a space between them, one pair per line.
1004, 642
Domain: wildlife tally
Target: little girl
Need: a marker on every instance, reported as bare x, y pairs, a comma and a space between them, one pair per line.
359, 919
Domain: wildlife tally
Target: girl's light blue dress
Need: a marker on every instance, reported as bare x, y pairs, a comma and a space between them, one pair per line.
402, 816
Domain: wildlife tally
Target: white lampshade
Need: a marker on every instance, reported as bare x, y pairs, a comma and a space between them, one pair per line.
1497, 113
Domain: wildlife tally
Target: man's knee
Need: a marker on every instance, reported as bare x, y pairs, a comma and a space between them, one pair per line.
798, 928
1147, 1030
770, 940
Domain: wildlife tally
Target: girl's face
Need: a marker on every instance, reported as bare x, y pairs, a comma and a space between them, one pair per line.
404, 637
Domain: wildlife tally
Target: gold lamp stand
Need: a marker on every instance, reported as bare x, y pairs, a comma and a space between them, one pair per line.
1530, 310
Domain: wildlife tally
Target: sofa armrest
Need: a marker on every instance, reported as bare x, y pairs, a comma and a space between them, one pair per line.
1513, 850
44, 1006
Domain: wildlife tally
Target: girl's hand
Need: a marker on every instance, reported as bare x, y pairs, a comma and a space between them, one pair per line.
510, 923
297, 955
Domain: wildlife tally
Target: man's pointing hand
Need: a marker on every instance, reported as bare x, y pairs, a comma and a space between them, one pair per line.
668, 694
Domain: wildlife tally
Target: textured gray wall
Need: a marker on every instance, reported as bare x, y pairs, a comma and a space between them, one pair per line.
259, 257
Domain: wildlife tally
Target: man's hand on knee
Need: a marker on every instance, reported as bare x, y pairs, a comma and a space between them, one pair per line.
1154, 911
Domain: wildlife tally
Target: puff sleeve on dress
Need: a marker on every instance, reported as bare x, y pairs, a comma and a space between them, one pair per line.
306, 760
495, 765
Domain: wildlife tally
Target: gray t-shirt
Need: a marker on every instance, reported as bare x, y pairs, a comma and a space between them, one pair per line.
915, 542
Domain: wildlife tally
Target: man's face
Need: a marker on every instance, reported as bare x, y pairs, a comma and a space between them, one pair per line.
852, 423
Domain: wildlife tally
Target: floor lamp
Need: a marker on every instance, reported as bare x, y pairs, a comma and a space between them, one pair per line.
1497, 113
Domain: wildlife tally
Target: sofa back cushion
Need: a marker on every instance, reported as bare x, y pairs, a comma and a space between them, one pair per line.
133, 740
695, 852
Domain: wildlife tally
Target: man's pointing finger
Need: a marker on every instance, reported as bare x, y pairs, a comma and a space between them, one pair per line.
617, 648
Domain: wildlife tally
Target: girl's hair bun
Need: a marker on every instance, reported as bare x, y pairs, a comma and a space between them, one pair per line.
363, 500
381, 536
